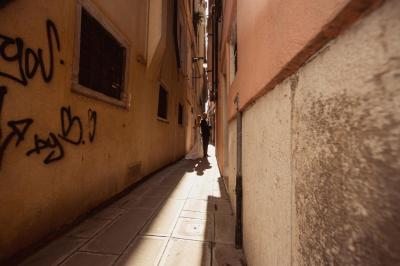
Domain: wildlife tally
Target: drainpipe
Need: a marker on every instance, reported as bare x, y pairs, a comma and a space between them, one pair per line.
215, 44
239, 178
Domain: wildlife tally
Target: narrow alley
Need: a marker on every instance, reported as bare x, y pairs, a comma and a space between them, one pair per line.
107, 109
178, 216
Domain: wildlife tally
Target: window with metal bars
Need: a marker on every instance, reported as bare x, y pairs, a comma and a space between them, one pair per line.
162, 103
102, 58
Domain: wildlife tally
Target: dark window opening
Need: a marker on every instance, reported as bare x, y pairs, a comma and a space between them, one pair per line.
180, 114
194, 74
177, 34
162, 103
3, 3
235, 54
102, 58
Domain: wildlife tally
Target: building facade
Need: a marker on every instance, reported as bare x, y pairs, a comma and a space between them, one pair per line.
306, 98
94, 96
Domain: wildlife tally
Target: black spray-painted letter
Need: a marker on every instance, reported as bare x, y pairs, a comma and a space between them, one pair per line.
92, 124
50, 143
70, 125
18, 131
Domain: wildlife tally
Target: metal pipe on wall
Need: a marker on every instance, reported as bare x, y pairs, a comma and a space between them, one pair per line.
239, 179
215, 20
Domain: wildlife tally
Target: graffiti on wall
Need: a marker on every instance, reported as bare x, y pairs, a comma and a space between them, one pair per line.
28, 60
71, 132
29, 63
18, 128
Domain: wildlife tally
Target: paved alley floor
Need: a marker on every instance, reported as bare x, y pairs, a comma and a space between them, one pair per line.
179, 216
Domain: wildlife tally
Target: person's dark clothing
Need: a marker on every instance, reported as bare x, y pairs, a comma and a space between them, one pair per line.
205, 134
206, 140
205, 128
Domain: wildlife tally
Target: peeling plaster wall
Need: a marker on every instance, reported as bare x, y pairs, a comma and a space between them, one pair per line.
321, 153
346, 130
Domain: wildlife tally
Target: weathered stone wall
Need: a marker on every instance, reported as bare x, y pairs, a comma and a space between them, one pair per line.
321, 153
346, 151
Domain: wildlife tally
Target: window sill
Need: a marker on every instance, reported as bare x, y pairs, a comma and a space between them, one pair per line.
79, 89
162, 120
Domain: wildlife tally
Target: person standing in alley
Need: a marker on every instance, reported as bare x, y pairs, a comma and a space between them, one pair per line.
196, 151
205, 133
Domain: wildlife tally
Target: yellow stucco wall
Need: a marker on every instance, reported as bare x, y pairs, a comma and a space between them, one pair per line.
37, 198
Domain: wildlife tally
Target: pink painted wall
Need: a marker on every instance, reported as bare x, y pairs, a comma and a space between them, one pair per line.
270, 33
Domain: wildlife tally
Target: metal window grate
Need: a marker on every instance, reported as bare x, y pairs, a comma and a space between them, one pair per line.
102, 58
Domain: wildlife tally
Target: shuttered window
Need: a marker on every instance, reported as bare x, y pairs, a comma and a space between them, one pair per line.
102, 58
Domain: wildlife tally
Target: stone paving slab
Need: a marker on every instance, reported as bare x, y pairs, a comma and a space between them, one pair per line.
145, 202
181, 193
195, 215
158, 191
194, 229
163, 222
55, 252
88, 228
85, 259
144, 251
181, 252
196, 205
109, 213
116, 237
180, 216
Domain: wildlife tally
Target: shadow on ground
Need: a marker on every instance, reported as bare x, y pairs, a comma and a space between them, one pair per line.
179, 216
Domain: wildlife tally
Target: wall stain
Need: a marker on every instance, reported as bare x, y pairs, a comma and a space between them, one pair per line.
347, 177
